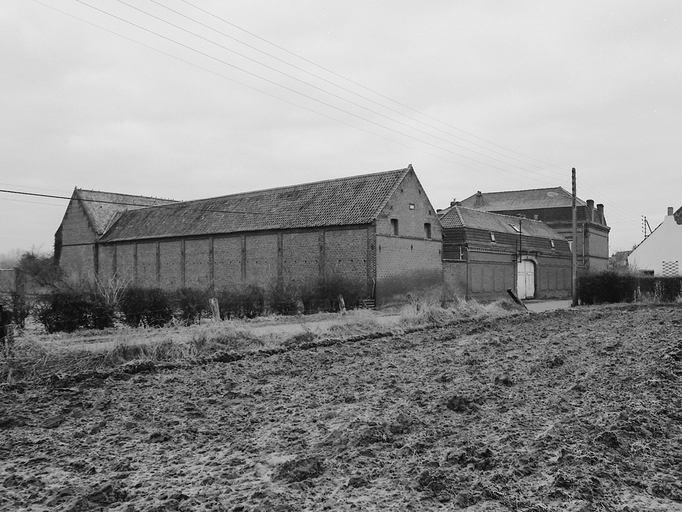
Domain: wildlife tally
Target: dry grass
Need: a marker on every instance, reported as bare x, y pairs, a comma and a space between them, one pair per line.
39, 356
426, 313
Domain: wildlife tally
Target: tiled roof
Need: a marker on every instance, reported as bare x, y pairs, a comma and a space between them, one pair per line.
458, 216
103, 208
339, 202
522, 199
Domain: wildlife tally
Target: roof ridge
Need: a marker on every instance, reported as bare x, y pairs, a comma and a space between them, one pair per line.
515, 217
299, 185
78, 190
528, 190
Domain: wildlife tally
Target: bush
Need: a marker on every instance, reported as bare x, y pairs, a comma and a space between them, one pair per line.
612, 287
607, 287
331, 287
191, 304
284, 298
664, 289
67, 311
146, 306
247, 301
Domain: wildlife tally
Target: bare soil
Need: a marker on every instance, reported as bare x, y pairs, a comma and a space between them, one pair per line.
576, 410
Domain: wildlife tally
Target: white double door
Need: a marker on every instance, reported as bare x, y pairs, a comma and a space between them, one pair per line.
525, 280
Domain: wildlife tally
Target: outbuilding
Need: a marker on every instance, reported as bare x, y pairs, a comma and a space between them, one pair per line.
485, 254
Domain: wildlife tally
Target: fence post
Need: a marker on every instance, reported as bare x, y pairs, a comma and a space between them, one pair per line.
215, 308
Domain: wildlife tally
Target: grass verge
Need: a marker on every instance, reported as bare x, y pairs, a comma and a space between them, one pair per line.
39, 357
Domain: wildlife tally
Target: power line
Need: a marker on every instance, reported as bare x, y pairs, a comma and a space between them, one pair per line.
318, 89
363, 87
309, 97
316, 112
329, 82
123, 203
300, 93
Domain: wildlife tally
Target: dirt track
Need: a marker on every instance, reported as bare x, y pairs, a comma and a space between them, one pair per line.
569, 410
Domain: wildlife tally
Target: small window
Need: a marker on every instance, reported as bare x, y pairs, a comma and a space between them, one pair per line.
427, 230
492, 237
411, 206
394, 227
552, 242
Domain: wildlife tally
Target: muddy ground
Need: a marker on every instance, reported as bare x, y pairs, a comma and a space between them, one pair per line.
575, 410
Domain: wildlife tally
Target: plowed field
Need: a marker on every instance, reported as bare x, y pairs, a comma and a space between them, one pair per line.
575, 410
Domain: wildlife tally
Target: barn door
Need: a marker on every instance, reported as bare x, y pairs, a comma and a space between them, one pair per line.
525, 282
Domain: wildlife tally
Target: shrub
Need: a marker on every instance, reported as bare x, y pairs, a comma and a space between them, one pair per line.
191, 304
284, 298
146, 306
247, 301
252, 301
607, 287
664, 289
67, 311
331, 287
21, 307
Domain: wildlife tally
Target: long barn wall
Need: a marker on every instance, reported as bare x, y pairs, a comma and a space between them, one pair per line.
223, 262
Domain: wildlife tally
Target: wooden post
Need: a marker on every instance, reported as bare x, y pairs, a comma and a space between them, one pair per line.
342, 305
215, 308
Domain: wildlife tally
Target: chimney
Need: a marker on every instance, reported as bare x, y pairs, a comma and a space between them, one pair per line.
670, 211
590, 210
600, 209
479, 200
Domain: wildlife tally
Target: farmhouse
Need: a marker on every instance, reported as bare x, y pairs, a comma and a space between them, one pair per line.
486, 254
378, 230
553, 206
660, 253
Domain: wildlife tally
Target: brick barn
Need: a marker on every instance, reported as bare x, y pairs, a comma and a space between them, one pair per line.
484, 254
379, 230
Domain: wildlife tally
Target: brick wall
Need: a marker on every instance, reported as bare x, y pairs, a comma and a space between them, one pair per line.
78, 261
106, 261
227, 261
301, 256
77, 255
412, 209
76, 228
170, 259
198, 263
125, 262
147, 273
346, 254
409, 260
455, 278
261, 259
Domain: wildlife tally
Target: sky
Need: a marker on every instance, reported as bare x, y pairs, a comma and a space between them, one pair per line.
189, 99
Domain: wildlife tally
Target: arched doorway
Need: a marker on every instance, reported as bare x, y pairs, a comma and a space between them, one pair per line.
525, 279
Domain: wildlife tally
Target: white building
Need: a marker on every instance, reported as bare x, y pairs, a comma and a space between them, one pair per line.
660, 253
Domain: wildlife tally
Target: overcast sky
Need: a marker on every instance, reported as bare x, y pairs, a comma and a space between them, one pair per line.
223, 97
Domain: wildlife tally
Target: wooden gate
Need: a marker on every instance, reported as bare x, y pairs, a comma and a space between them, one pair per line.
525, 282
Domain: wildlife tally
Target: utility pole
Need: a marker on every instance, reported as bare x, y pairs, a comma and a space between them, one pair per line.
574, 264
520, 239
